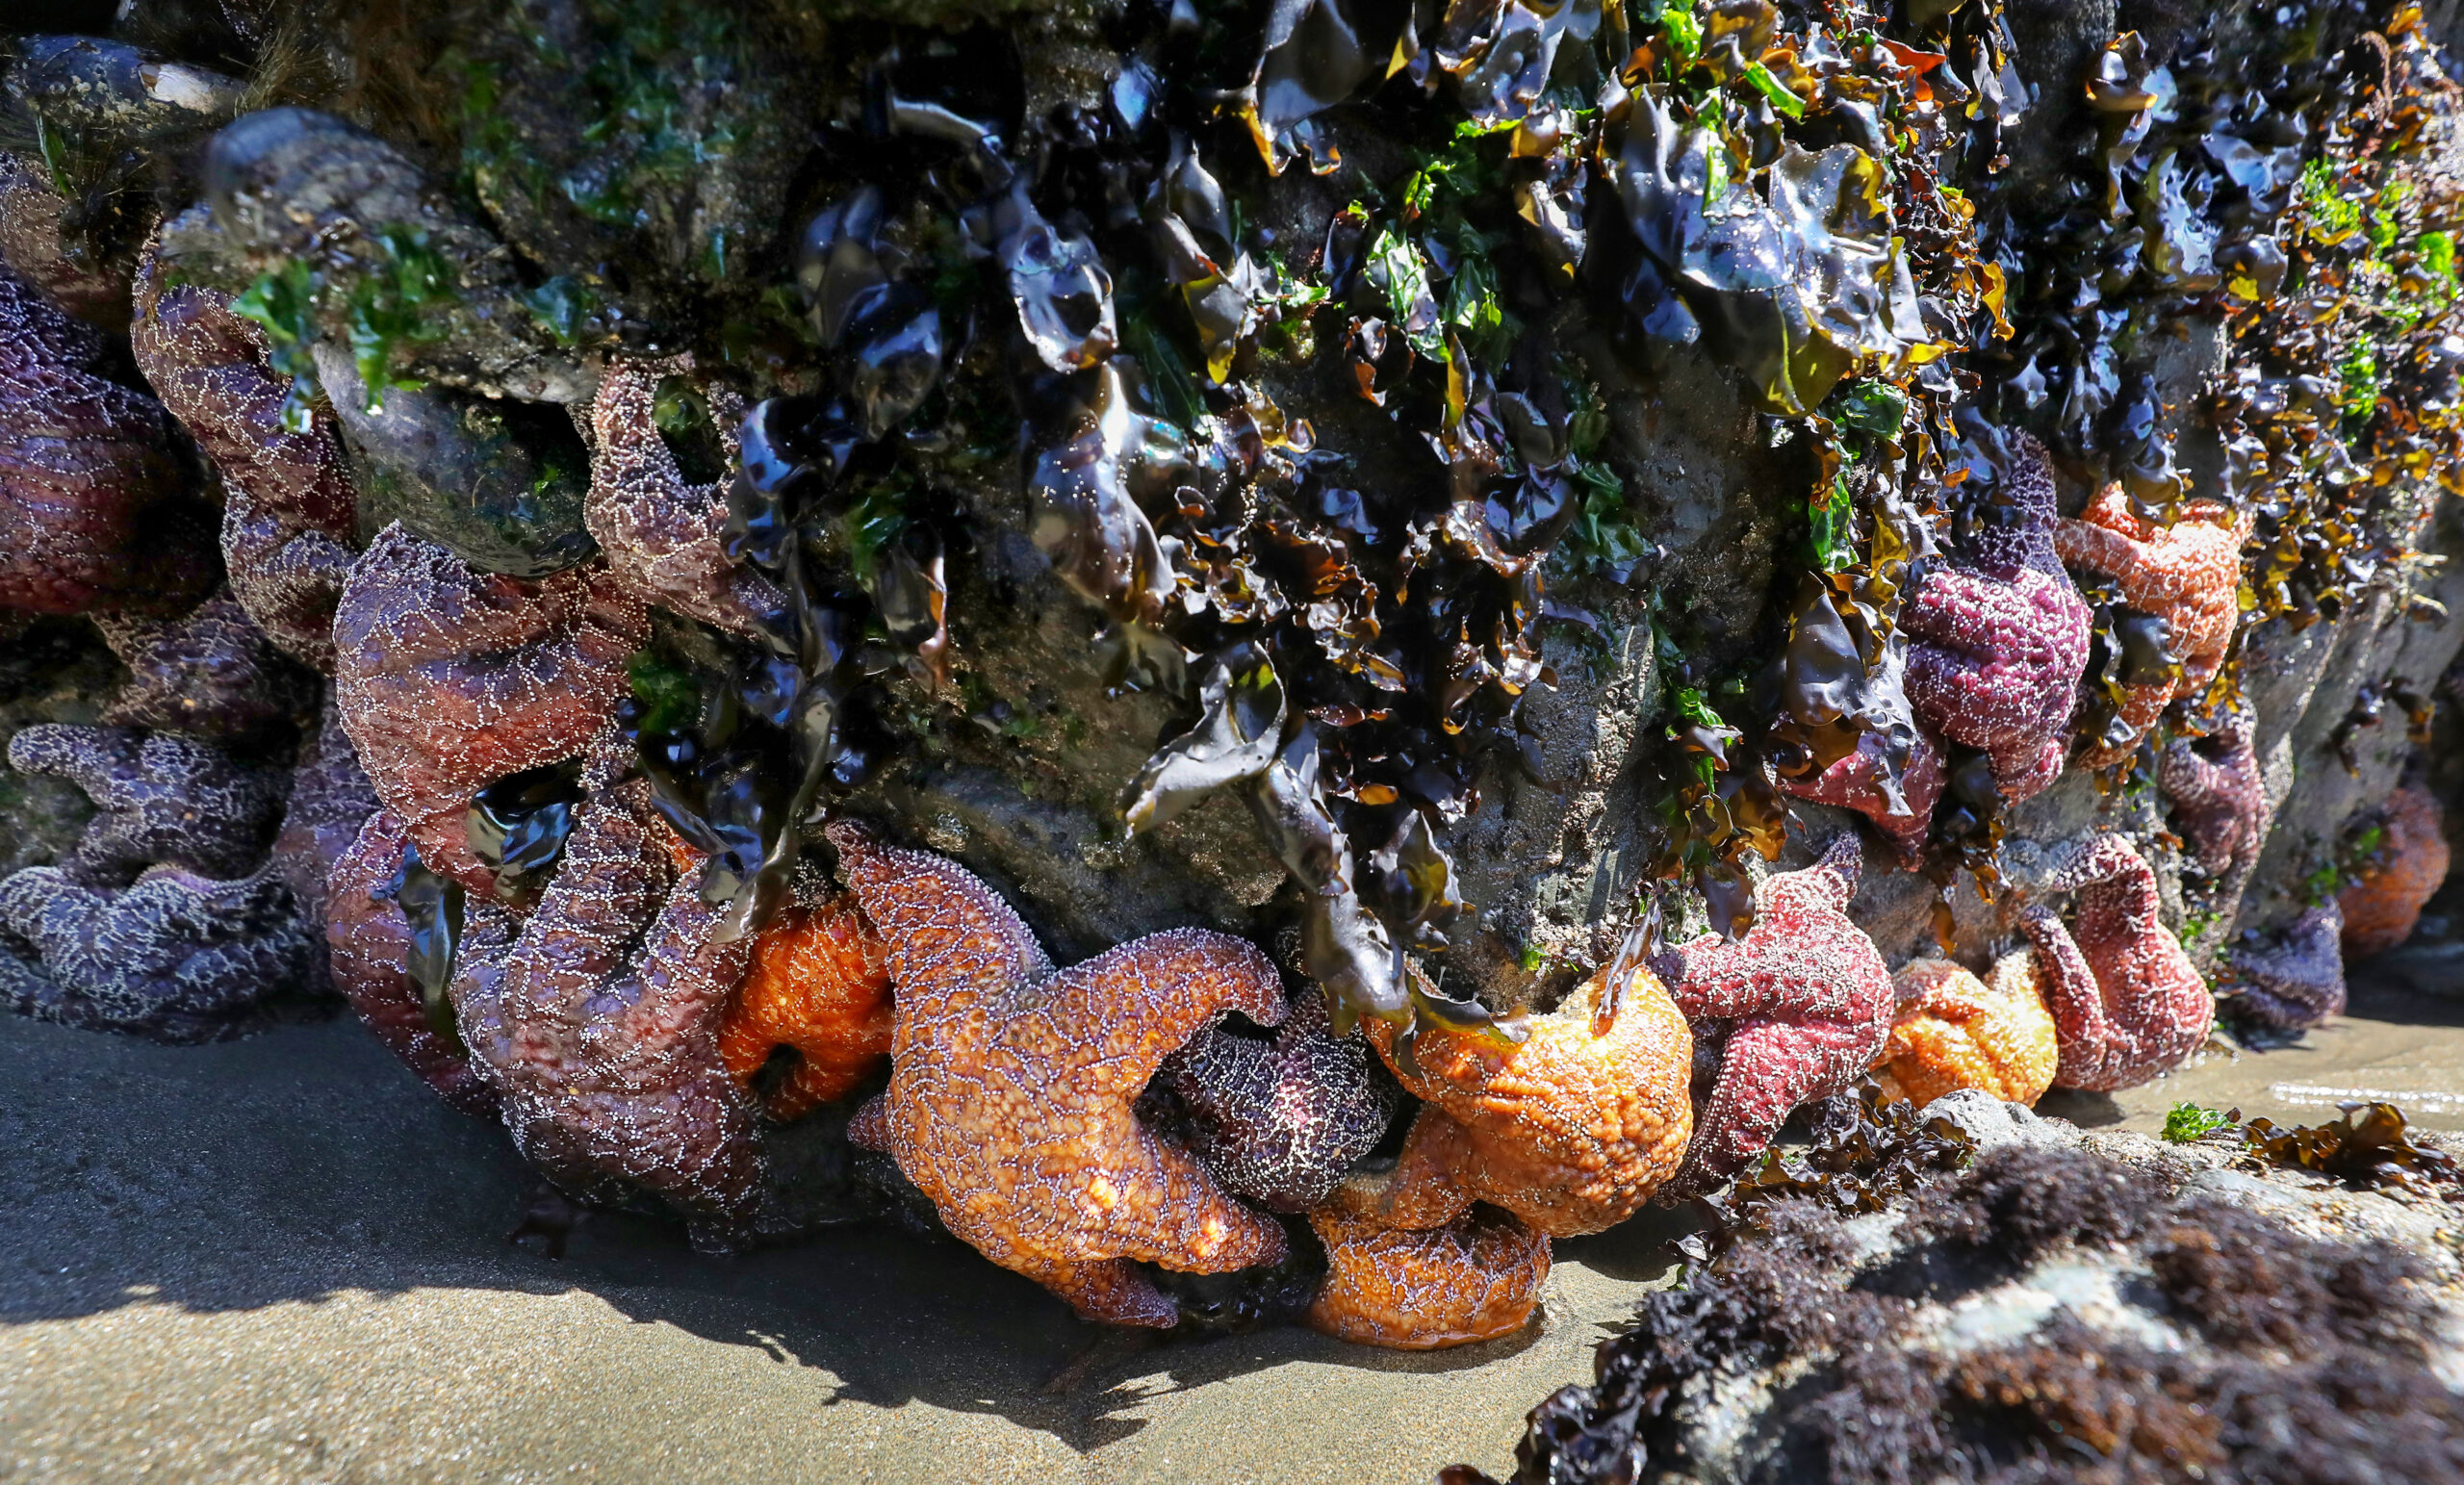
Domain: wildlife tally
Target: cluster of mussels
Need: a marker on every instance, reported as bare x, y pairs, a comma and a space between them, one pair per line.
566, 631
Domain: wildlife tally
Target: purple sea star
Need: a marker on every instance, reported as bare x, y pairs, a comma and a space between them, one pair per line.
2001, 639
177, 957
289, 507
89, 509
2218, 795
2127, 1005
1280, 1121
661, 536
211, 671
1010, 1087
450, 678
159, 798
2298, 980
597, 1021
1811, 1005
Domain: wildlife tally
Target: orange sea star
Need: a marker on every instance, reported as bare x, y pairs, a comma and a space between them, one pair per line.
1957, 1031
1011, 1085
819, 982
1475, 1279
2188, 574
2382, 908
1571, 1131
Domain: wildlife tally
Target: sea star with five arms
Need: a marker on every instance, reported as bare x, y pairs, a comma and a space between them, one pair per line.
2218, 795
1011, 1085
1811, 1005
2188, 574
2299, 979
2127, 1005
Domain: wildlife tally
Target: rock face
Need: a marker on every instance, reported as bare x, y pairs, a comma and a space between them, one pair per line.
2169, 1303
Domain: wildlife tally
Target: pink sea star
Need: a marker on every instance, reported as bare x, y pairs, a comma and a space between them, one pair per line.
2218, 795
2127, 1005
450, 678
368, 942
661, 536
209, 672
1811, 1005
289, 505
89, 509
160, 798
2001, 638
596, 1020
2188, 574
1011, 1085
1859, 781
2299, 979
1280, 1121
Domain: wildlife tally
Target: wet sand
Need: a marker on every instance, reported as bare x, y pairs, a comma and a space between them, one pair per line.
280, 1260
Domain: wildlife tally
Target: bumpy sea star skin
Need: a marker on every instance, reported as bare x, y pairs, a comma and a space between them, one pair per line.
450, 678
211, 671
596, 1020
1011, 1085
88, 517
2188, 574
1957, 1031
2127, 1005
330, 801
2298, 980
288, 512
1810, 1000
159, 798
177, 957
2000, 639
661, 536
1856, 781
819, 982
2218, 795
368, 943
2382, 908
1280, 1121
1475, 1279
1572, 1131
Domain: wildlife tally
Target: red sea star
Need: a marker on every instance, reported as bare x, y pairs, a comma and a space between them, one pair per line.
1010, 1087
2001, 639
1280, 1121
1810, 1000
1858, 781
2126, 1003
2382, 908
1475, 1279
596, 1020
368, 943
450, 678
288, 512
661, 536
89, 509
2188, 574
1571, 1131
2221, 798
330, 800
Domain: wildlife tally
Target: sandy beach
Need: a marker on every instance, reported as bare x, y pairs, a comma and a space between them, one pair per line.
281, 1260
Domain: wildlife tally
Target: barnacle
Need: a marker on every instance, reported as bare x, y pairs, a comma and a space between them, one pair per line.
449, 679
1011, 1085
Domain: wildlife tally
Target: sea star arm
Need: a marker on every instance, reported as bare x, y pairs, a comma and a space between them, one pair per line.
1136, 1004
661, 534
2086, 1036
1766, 1070
935, 920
